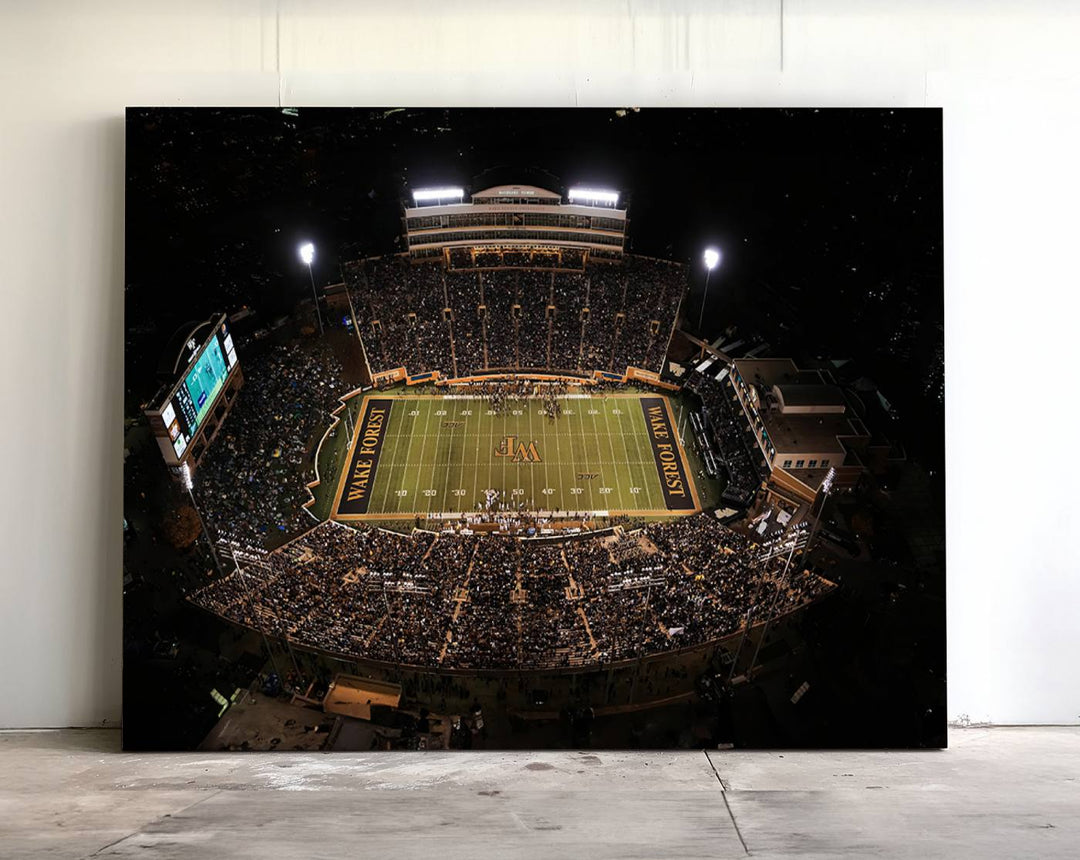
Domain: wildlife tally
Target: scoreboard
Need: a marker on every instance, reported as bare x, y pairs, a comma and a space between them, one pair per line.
179, 415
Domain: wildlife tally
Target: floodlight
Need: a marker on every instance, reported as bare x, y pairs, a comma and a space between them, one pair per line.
712, 260
307, 254
437, 193
185, 477
830, 476
593, 195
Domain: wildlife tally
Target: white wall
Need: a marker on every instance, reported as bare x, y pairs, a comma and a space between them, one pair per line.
1006, 76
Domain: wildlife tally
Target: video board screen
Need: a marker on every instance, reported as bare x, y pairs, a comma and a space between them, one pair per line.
206, 378
197, 393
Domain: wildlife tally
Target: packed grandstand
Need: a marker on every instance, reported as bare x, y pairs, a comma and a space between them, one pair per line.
441, 594
515, 312
501, 603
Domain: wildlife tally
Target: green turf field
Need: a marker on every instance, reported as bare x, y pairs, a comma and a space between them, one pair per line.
440, 454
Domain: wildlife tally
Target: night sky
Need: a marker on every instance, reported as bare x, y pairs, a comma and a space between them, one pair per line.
830, 221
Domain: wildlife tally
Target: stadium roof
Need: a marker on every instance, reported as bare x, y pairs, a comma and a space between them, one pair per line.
517, 191
814, 434
777, 371
811, 395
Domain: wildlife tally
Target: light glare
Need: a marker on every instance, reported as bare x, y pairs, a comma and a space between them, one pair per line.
307, 253
830, 476
712, 258
185, 476
437, 193
594, 195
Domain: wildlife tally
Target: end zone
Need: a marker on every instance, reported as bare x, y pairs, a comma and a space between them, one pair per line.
358, 479
679, 492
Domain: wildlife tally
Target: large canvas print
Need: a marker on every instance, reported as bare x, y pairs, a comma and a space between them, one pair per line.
533, 429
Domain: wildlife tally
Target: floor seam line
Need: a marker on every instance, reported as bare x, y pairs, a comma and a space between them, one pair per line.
734, 823
727, 806
723, 785
142, 827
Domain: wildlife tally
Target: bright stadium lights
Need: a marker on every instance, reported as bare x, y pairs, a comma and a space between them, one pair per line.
712, 260
830, 476
307, 254
422, 194
593, 195
185, 477
819, 504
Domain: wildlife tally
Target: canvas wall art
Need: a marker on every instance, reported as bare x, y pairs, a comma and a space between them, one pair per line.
533, 429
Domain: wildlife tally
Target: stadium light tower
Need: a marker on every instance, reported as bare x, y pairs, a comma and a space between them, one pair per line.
819, 503
830, 477
307, 254
712, 260
189, 485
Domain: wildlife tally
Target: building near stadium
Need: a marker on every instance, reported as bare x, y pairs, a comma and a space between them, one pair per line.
524, 218
805, 424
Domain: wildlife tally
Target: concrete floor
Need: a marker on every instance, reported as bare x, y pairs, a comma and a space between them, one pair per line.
1004, 792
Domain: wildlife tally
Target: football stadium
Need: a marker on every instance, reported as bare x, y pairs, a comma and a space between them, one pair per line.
515, 481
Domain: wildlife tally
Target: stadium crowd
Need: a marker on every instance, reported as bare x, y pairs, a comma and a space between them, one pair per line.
729, 436
495, 602
248, 486
514, 311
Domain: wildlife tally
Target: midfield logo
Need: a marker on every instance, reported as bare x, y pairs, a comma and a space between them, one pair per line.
518, 452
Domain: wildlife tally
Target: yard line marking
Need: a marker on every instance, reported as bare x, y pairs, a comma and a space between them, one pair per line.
562, 485
458, 502
588, 468
449, 458
630, 500
647, 478
623, 502
636, 436
476, 467
420, 462
543, 454
502, 473
626, 454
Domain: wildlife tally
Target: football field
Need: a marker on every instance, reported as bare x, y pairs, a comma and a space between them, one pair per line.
433, 454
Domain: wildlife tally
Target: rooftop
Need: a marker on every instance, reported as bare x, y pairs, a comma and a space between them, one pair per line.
810, 433
776, 371
518, 191
811, 395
